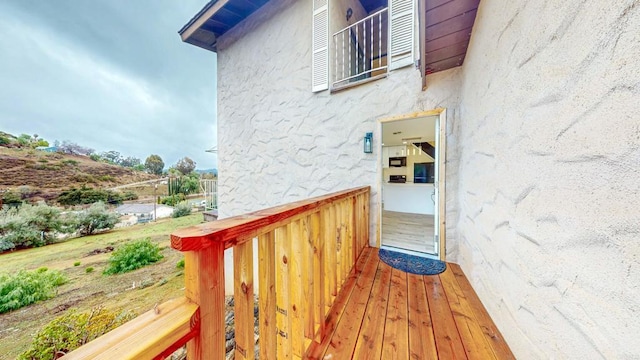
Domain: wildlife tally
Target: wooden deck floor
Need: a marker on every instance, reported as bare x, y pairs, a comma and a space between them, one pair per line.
385, 313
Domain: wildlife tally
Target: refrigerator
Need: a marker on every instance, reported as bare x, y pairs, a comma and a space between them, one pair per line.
423, 173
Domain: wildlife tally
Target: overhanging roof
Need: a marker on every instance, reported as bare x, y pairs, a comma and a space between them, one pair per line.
216, 18
447, 31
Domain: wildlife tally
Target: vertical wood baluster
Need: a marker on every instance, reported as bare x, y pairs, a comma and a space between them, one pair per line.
243, 300
315, 221
295, 289
283, 320
331, 251
267, 296
308, 280
339, 245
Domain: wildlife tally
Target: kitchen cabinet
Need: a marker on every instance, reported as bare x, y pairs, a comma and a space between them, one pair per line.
395, 151
409, 198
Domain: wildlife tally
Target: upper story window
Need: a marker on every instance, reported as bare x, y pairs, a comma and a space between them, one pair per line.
373, 37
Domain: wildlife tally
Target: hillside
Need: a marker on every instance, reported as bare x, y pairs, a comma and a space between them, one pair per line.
47, 174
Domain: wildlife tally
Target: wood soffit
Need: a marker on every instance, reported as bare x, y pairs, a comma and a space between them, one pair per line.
448, 25
446, 34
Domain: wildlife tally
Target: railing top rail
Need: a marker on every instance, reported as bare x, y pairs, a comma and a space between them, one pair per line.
358, 22
237, 229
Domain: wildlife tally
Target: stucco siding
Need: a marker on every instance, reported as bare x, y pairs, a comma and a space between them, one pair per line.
278, 141
548, 175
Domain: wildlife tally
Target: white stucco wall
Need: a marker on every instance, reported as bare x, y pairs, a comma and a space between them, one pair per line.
278, 141
549, 172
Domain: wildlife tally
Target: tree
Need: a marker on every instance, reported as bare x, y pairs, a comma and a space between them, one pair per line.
129, 161
185, 165
154, 164
67, 147
112, 156
97, 217
24, 139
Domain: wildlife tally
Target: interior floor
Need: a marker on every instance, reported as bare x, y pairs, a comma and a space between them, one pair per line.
408, 231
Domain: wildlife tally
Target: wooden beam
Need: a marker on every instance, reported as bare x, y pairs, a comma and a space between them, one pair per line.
146, 336
234, 230
204, 285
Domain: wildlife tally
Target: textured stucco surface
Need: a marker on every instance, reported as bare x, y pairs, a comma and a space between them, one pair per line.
549, 170
279, 142
543, 156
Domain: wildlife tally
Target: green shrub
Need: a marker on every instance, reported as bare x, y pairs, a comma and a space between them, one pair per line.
172, 200
182, 209
86, 195
95, 218
133, 256
72, 330
89, 269
70, 162
11, 198
29, 226
106, 178
77, 263
4, 140
27, 287
180, 264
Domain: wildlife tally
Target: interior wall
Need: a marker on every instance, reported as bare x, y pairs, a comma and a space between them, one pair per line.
548, 172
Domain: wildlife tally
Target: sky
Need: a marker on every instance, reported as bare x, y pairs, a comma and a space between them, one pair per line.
109, 75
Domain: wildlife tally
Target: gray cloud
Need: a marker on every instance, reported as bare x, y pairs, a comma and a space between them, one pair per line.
111, 75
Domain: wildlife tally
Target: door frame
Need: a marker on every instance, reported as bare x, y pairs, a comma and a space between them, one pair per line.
442, 115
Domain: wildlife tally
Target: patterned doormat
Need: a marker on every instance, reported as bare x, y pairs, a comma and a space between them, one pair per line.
411, 263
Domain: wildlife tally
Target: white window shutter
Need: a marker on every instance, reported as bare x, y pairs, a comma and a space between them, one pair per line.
320, 46
401, 28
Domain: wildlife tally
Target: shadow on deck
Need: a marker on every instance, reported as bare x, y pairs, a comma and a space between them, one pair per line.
385, 313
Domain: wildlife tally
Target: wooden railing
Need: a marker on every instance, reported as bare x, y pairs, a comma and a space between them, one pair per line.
306, 251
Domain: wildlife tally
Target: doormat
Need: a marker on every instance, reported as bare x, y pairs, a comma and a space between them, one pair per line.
411, 263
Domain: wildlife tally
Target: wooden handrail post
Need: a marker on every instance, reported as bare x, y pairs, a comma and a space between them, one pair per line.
204, 285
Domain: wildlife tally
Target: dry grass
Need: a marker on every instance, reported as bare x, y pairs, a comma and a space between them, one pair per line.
87, 290
50, 173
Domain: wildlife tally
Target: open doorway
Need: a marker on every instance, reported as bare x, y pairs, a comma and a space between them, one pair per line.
411, 207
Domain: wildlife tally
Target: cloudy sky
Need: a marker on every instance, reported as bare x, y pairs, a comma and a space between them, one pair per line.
109, 75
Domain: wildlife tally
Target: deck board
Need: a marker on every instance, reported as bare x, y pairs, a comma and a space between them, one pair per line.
389, 314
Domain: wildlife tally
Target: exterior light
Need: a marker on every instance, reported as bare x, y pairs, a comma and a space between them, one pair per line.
368, 143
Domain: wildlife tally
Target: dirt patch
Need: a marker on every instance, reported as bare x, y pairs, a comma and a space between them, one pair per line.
62, 307
108, 249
